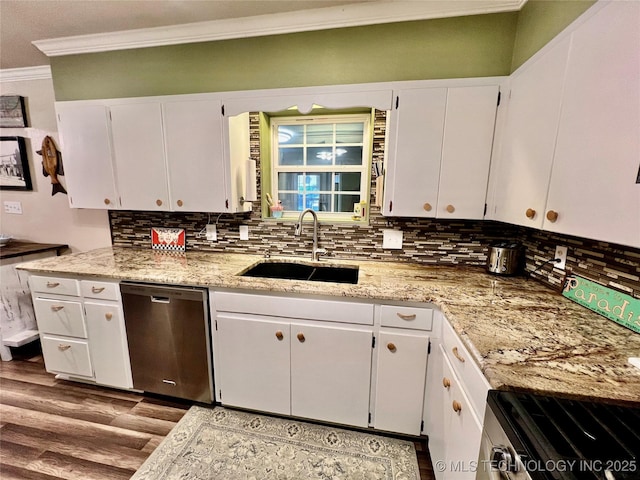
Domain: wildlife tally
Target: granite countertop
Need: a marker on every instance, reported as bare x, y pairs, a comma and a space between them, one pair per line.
523, 335
19, 248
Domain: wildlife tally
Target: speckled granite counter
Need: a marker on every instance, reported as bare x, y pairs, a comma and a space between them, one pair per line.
523, 335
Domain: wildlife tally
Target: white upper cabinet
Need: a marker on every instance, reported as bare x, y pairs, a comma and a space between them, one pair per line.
593, 185
415, 136
87, 156
195, 160
524, 165
440, 142
138, 145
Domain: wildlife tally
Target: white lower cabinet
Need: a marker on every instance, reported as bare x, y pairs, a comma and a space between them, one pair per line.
82, 329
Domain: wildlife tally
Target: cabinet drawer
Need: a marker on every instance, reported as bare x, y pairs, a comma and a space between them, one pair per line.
59, 286
103, 290
406, 317
60, 317
66, 355
465, 367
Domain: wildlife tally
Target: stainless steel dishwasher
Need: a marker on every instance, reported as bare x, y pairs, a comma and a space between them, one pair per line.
168, 332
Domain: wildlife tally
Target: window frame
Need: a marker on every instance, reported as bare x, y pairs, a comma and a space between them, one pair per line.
364, 169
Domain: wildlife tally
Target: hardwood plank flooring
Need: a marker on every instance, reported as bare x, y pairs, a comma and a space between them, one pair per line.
53, 429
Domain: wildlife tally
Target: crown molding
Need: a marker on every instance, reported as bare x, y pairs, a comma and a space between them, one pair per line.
275, 24
42, 72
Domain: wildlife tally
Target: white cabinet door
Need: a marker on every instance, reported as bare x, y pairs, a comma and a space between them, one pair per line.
138, 144
526, 154
415, 149
253, 363
593, 185
193, 140
466, 151
401, 374
330, 373
87, 157
108, 344
463, 430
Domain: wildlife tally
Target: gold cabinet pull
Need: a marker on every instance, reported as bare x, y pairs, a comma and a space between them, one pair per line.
552, 216
446, 383
301, 337
427, 207
279, 335
391, 346
530, 213
159, 202
56, 308
450, 208
457, 406
62, 347
53, 284
179, 203
108, 315
406, 316
97, 289
107, 201
457, 354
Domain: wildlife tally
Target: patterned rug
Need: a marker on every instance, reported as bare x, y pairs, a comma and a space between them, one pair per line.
217, 443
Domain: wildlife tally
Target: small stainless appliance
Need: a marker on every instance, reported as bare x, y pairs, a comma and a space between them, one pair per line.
504, 258
538, 437
168, 332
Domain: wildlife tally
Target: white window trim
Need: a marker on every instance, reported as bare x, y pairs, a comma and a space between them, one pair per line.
364, 169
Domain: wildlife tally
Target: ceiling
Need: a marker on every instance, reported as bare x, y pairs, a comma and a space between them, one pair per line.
23, 21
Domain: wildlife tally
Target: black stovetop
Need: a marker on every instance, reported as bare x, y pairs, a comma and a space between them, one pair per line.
564, 439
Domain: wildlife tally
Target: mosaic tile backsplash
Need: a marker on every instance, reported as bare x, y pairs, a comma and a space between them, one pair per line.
429, 241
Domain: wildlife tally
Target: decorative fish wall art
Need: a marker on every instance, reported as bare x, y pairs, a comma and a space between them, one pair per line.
52, 164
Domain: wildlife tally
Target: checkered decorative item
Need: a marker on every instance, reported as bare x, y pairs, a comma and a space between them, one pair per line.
168, 239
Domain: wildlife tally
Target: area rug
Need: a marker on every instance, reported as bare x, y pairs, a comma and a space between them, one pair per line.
218, 443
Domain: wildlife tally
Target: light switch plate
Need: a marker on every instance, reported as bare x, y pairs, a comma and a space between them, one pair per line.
392, 239
244, 232
13, 207
561, 253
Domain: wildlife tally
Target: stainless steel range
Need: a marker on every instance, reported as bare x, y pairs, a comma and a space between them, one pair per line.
546, 438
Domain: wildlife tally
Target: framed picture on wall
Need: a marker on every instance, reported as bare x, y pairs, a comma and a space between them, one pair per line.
12, 111
14, 164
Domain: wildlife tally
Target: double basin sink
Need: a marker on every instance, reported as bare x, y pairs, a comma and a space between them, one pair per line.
300, 271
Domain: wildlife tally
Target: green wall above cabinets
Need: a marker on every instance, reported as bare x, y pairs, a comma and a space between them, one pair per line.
470, 46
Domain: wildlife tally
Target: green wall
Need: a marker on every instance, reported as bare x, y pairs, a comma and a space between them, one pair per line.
471, 46
540, 21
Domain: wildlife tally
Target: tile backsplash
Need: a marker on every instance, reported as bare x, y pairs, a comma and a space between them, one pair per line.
428, 241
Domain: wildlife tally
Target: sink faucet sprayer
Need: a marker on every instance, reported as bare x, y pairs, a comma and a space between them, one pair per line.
315, 251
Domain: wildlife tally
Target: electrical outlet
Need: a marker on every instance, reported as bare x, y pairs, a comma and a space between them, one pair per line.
392, 239
244, 232
212, 233
561, 253
13, 207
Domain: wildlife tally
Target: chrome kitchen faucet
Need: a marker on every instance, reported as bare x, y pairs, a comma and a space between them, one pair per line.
315, 251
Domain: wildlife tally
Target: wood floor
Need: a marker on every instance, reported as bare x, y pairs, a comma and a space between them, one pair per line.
52, 429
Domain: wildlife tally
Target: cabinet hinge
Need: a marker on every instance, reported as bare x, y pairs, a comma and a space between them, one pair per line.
70, 199
222, 109
216, 325
110, 119
499, 96
397, 101
220, 394
369, 421
429, 348
373, 342
422, 425
391, 206
120, 201
485, 209
226, 203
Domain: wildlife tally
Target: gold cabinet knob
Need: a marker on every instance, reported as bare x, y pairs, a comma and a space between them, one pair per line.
97, 289
446, 383
108, 315
107, 201
427, 207
62, 347
180, 203
279, 335
530, 213
52, 284
457, 354
391, 347
450, 208
159, 202
457, 406
552, 216
56, 308
301, 337
406, 316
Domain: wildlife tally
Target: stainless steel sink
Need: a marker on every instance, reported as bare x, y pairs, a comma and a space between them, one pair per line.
301, 271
